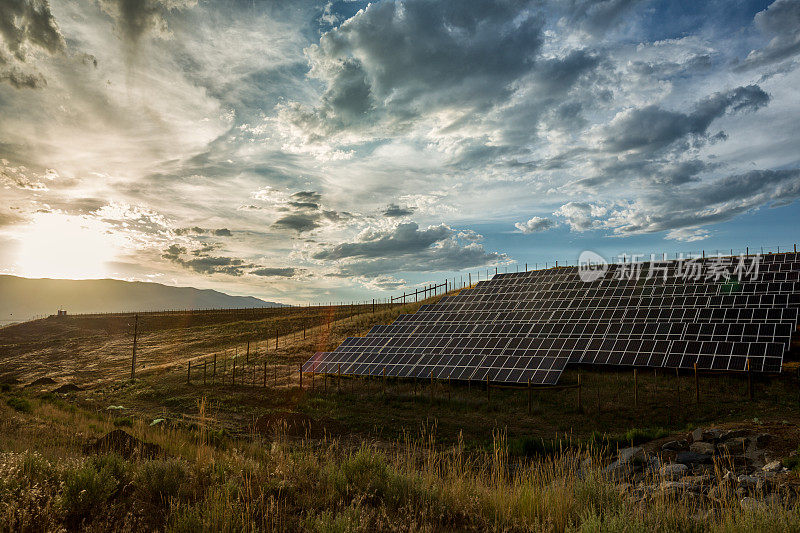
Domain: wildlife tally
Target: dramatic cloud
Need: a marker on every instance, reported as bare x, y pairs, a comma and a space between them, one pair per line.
653, 128
534, 225
284, 150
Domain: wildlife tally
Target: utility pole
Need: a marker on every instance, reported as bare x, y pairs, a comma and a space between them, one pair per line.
135, 335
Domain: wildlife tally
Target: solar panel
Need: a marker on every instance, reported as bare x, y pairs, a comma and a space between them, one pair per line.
526, 326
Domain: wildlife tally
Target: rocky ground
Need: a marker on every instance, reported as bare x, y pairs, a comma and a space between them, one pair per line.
713, 466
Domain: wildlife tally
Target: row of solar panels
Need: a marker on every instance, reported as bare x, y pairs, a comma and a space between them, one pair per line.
507, 329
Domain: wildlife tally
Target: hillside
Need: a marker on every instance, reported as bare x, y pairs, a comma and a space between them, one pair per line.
25, 298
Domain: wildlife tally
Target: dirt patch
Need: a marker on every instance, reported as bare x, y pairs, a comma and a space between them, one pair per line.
125, 445
42, 381
69, 387
296, 425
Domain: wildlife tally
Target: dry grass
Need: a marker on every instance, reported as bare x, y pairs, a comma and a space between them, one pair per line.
413, 484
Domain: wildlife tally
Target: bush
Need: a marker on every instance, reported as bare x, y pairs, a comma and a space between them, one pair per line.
160, 482
20, 404
125, 421
86, 491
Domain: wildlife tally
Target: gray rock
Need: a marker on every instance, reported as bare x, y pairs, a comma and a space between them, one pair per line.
747, 481
623, 464
689, 458
626, 454
696, 435
734, 434
774, 466
674, 445
703, 448
674, 470
672, 488
752, 504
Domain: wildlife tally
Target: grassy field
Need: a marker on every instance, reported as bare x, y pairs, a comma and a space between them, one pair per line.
355, 454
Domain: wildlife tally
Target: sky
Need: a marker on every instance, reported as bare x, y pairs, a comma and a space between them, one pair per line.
330, 151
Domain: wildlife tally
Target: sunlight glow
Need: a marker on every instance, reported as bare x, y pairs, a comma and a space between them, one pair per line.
64, 246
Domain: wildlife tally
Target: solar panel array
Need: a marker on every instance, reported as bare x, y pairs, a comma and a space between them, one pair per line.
526, 327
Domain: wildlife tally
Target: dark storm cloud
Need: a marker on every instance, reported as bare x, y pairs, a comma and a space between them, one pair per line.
222, 232
299, 222
395, 211
652, 128
287, 272
780, 22
304, 210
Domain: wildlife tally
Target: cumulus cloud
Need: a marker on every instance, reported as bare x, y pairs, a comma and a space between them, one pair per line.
459, 58
534, 225
781, 23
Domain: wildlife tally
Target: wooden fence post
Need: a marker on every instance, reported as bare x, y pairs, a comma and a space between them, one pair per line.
247, 356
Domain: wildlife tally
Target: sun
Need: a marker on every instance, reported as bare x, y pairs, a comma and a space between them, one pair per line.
55, 245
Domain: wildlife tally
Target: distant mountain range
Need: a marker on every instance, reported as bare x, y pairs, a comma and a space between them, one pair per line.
24, 298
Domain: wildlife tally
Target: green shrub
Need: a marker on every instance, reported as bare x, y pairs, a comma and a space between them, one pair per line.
160, 482
125, 421
20, 404
86, 491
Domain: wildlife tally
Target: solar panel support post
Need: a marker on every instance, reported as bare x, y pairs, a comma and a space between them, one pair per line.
635, 389
448, 388
749, 380
696, 385
384, 380
530, 394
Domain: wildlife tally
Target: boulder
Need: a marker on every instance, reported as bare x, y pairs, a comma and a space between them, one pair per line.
689, 458
696, 435
702, 448
624, 462
748, 482
734, 434
674, 446
734, 446
671, 488
674, 471
774, 466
